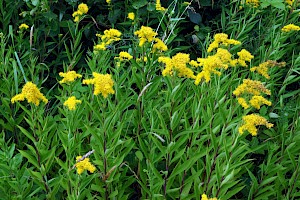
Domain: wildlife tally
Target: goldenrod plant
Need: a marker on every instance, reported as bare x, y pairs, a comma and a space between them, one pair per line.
149, 99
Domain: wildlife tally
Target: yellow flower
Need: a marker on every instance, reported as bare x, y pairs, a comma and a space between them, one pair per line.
124, 56
290, 2
131, 16
145, 34
263, 68
110, 36
31, 93
77, 14
251, 121
221, 39
290, 27
177, 63
254, 3
71, 103
69, 77
204, 197
108, 2
159, 45
83, 8
221, 60
103, 84
244, 55
85, 164
251, 87
100, 47
158, 6
23, 27
257, 101
243, 103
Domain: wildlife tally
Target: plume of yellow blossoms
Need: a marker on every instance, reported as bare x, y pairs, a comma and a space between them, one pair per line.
290, 27
71, 102
263, 68
69, 76
244, 56
253, 3
221, 39
177, 63
110, 36
145, 34
23, 27
290, 2
124, 56
159, 45
131, 16
103, 84
30, 92
85, 164
254, 89
158, 6
82, 9
222, 59
250, 122
204, 197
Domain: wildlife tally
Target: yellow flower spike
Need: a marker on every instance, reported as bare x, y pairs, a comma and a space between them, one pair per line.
30, 92
290, 2
250, 122
103, 84
159, 45
131, 16
253, 3
124, 56
23, 27
221, 39
204, 197
69, 76
257, 101
243, 103
251, 87
178, 63
83, 8
290, 27
244, 56
85, 164
145, 34
71, 102
158, 6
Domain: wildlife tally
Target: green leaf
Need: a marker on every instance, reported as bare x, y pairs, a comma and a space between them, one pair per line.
139, 3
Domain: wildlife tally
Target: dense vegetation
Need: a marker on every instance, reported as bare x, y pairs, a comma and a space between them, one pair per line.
141, 99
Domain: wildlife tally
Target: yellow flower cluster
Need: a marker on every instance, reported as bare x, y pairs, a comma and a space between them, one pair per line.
82, 9
252, 88
204, 197
69, 77
109, 37
221, 39
159, 45
85, 164
290, 27
253, 3
145, 34
290, 2
23, 27
131, 16
222, 59
158, 6
244, 56
103, 84
251, 121
263, 68
30, 92
124, 56
177, 63
71, 103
